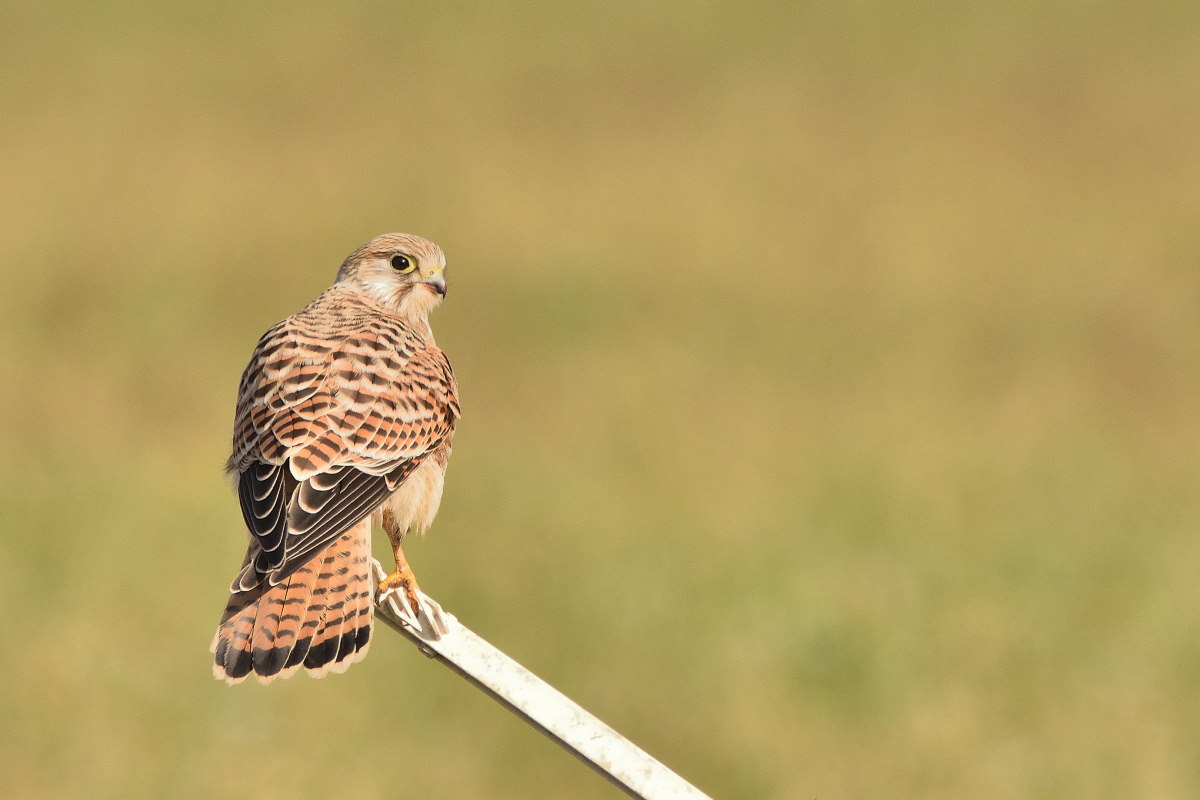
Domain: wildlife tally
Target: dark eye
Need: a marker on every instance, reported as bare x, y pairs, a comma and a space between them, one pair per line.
402, 263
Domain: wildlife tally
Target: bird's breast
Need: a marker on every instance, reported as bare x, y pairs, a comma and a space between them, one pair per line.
415, 503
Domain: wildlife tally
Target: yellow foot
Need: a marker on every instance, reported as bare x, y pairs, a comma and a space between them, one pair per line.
402, 578
424, 615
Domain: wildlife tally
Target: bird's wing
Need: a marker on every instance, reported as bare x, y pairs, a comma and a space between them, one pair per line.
331, 419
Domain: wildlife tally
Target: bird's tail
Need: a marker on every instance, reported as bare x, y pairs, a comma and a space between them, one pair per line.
318, 618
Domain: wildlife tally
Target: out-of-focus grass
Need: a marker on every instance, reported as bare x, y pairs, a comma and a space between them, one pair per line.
830, 379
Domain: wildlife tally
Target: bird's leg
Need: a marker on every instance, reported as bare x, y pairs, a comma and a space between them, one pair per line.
402, 577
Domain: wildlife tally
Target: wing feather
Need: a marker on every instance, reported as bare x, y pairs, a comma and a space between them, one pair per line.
338, 405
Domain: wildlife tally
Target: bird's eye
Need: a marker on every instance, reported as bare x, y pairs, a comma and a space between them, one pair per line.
402, 263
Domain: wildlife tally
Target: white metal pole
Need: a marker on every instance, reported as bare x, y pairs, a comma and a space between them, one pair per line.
439, 635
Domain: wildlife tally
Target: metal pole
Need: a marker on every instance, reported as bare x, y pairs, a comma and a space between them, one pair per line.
439, 635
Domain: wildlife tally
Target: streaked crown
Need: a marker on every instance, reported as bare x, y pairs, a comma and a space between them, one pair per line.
400, 270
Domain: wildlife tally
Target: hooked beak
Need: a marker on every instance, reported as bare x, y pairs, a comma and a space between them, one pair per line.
435, 280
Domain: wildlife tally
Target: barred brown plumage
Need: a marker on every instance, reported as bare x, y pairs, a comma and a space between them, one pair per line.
345, 414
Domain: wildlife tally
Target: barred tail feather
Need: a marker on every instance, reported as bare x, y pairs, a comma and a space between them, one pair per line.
319, 617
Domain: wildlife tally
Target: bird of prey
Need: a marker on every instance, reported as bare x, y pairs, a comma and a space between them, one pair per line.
345, 415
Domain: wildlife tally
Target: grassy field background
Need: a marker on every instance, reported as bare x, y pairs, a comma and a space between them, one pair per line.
830, 377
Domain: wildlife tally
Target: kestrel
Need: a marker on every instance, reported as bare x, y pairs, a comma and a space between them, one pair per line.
345, 415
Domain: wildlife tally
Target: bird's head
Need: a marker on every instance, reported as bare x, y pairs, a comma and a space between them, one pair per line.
399, 270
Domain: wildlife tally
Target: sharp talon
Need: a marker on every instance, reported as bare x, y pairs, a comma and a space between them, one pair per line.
401, 578
421, 613
413, 602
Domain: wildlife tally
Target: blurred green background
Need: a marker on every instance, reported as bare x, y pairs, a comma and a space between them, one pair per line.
829, 374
